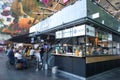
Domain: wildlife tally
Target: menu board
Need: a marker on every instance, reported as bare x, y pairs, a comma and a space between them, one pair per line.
32, 40
79, 30
58, 34
110, 37
90, 30
67, 33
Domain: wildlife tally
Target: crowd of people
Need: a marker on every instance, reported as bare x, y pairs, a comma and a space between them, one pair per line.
21, 54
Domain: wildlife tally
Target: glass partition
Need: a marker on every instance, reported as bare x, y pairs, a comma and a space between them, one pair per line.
99, 14
92, 42
118, 48
114, 48
71, 46
102, 44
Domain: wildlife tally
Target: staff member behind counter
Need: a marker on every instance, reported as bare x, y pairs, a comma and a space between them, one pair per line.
97, 50
63, 49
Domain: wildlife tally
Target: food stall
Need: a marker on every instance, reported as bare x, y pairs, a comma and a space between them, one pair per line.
86, 50
86, 42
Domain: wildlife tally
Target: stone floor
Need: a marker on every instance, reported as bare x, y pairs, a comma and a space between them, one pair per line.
10, 73
113, 74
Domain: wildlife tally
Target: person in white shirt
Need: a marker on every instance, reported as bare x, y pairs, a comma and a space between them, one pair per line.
18, 56
38, 57
32, 52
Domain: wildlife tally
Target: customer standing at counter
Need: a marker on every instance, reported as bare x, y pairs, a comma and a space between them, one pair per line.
98, 50
38, 57
32, 52
11, 56
42, 51
19, 57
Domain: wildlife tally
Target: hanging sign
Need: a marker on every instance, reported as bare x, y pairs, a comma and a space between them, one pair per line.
65, 1
79, 30
58, 34
90, 30
67, 33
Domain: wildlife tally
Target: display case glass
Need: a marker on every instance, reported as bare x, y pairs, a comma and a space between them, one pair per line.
92, 42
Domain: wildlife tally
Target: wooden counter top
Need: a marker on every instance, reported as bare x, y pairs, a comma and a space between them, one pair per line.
67, 55
93, 59
101, 58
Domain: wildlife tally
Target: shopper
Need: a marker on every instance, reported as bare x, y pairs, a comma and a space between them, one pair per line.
32, 51
42, 51
27, 52
38, 58
20, 59
11, 56
98, 50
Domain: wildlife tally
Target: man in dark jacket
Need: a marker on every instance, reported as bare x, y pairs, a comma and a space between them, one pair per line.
11, 56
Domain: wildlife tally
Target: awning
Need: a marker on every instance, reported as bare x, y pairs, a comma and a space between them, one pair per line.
21, 39
37, 38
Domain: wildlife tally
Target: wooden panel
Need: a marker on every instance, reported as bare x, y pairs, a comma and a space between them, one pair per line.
101, 58
98, 67
74, 65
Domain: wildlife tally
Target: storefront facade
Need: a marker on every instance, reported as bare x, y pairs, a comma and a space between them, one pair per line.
87, 38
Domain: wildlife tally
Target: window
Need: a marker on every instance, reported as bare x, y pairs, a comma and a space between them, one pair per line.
90, 45
8, 19
102, 44
71, 46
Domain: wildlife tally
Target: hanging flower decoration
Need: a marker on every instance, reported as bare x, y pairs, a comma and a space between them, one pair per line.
6, 10
5, 30
12, 28
45, 1
5, 13
65, 1
25, 23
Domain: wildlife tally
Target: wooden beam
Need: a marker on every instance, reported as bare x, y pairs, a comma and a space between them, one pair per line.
42, 13
53, 10
111, 4
56, 4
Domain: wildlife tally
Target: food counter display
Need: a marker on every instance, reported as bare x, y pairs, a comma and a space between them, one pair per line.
86, 54
71, 64
86, 66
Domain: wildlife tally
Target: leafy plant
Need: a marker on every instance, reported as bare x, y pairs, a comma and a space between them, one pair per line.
26, 9
38, 3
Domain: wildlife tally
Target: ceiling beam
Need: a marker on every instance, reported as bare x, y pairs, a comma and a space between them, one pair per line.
53, 10
38, 13
111, 4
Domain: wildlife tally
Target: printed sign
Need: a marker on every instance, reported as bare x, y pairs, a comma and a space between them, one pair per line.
79, 30
58, 34
90, 30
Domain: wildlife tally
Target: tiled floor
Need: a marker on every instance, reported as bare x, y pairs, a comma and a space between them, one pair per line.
113, 74
9, 73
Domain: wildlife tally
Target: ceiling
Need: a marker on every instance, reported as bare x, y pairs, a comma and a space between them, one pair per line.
26, 13
112, 6
37, 10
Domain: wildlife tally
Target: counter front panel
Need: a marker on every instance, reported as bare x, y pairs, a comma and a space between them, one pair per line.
71, 64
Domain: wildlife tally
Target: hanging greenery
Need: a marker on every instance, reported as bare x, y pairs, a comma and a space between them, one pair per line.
1, 21
26, 9
38, 3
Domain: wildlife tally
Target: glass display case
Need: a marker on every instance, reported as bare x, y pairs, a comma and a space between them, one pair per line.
102, 44
71, 46
84, 40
